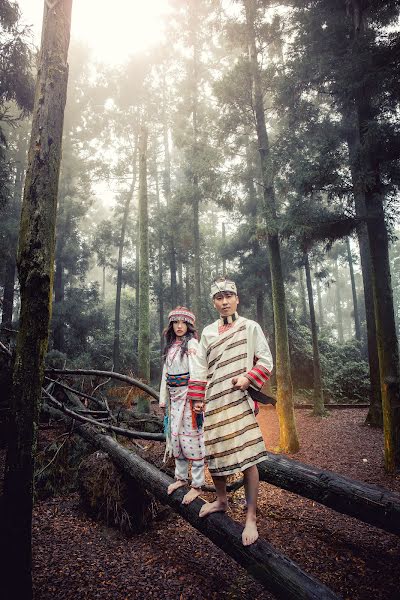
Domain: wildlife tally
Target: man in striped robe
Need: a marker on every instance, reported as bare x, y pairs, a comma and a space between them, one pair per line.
233, 355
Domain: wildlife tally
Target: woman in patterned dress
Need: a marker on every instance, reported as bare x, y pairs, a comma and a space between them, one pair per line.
184, 430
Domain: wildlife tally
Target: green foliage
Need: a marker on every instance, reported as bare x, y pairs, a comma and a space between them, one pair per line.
87, 327
345, 373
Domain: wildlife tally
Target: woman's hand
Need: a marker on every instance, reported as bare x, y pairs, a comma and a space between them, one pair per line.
198, 406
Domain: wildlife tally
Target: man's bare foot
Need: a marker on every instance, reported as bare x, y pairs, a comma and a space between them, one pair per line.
212, 507
192, 494
250, 533
175, 486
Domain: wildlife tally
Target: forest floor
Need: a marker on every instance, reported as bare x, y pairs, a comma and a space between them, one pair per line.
77, 558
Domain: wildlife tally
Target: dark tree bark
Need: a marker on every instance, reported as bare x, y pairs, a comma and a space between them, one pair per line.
375, 414
35, 268
388, 349
319, 408
288, 434
354, 292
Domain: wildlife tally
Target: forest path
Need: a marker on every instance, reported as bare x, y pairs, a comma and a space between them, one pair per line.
78, 558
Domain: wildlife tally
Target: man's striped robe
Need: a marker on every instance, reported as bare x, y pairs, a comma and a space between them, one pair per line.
232, 437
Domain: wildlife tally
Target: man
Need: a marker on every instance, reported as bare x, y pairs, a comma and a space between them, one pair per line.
233, 354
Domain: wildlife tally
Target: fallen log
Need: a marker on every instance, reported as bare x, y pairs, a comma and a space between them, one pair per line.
329, 406
371, 504
368, 503
273, 570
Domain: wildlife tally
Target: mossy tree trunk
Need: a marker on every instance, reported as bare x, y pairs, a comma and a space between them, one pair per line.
144, 284
287, 426
357, 326
35, 267
388, 349
125, 216
319, 408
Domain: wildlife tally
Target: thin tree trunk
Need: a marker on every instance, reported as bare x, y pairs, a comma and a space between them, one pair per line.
160, 294
168, 198
320, 309
223, 246
188, 294
104, 285
11, 261
338, 304
144, 284
35, 268
304, 316
117, 318
288, 434
180, 283
136, 334
357, 326
319, 408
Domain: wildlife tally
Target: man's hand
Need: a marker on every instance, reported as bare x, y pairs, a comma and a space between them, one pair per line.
198, 406
241, 383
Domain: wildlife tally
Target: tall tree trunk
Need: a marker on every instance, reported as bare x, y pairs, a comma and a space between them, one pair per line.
168, 198
375, 414
319, 408
338, 304
320, 309
188, 292
223, 246
104, 285
388, 349
180, 282
288, 434
136, 334
354, 292
35, 267
117, 318
144, 284
160, 294
9, 279
303, 315
193, 26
